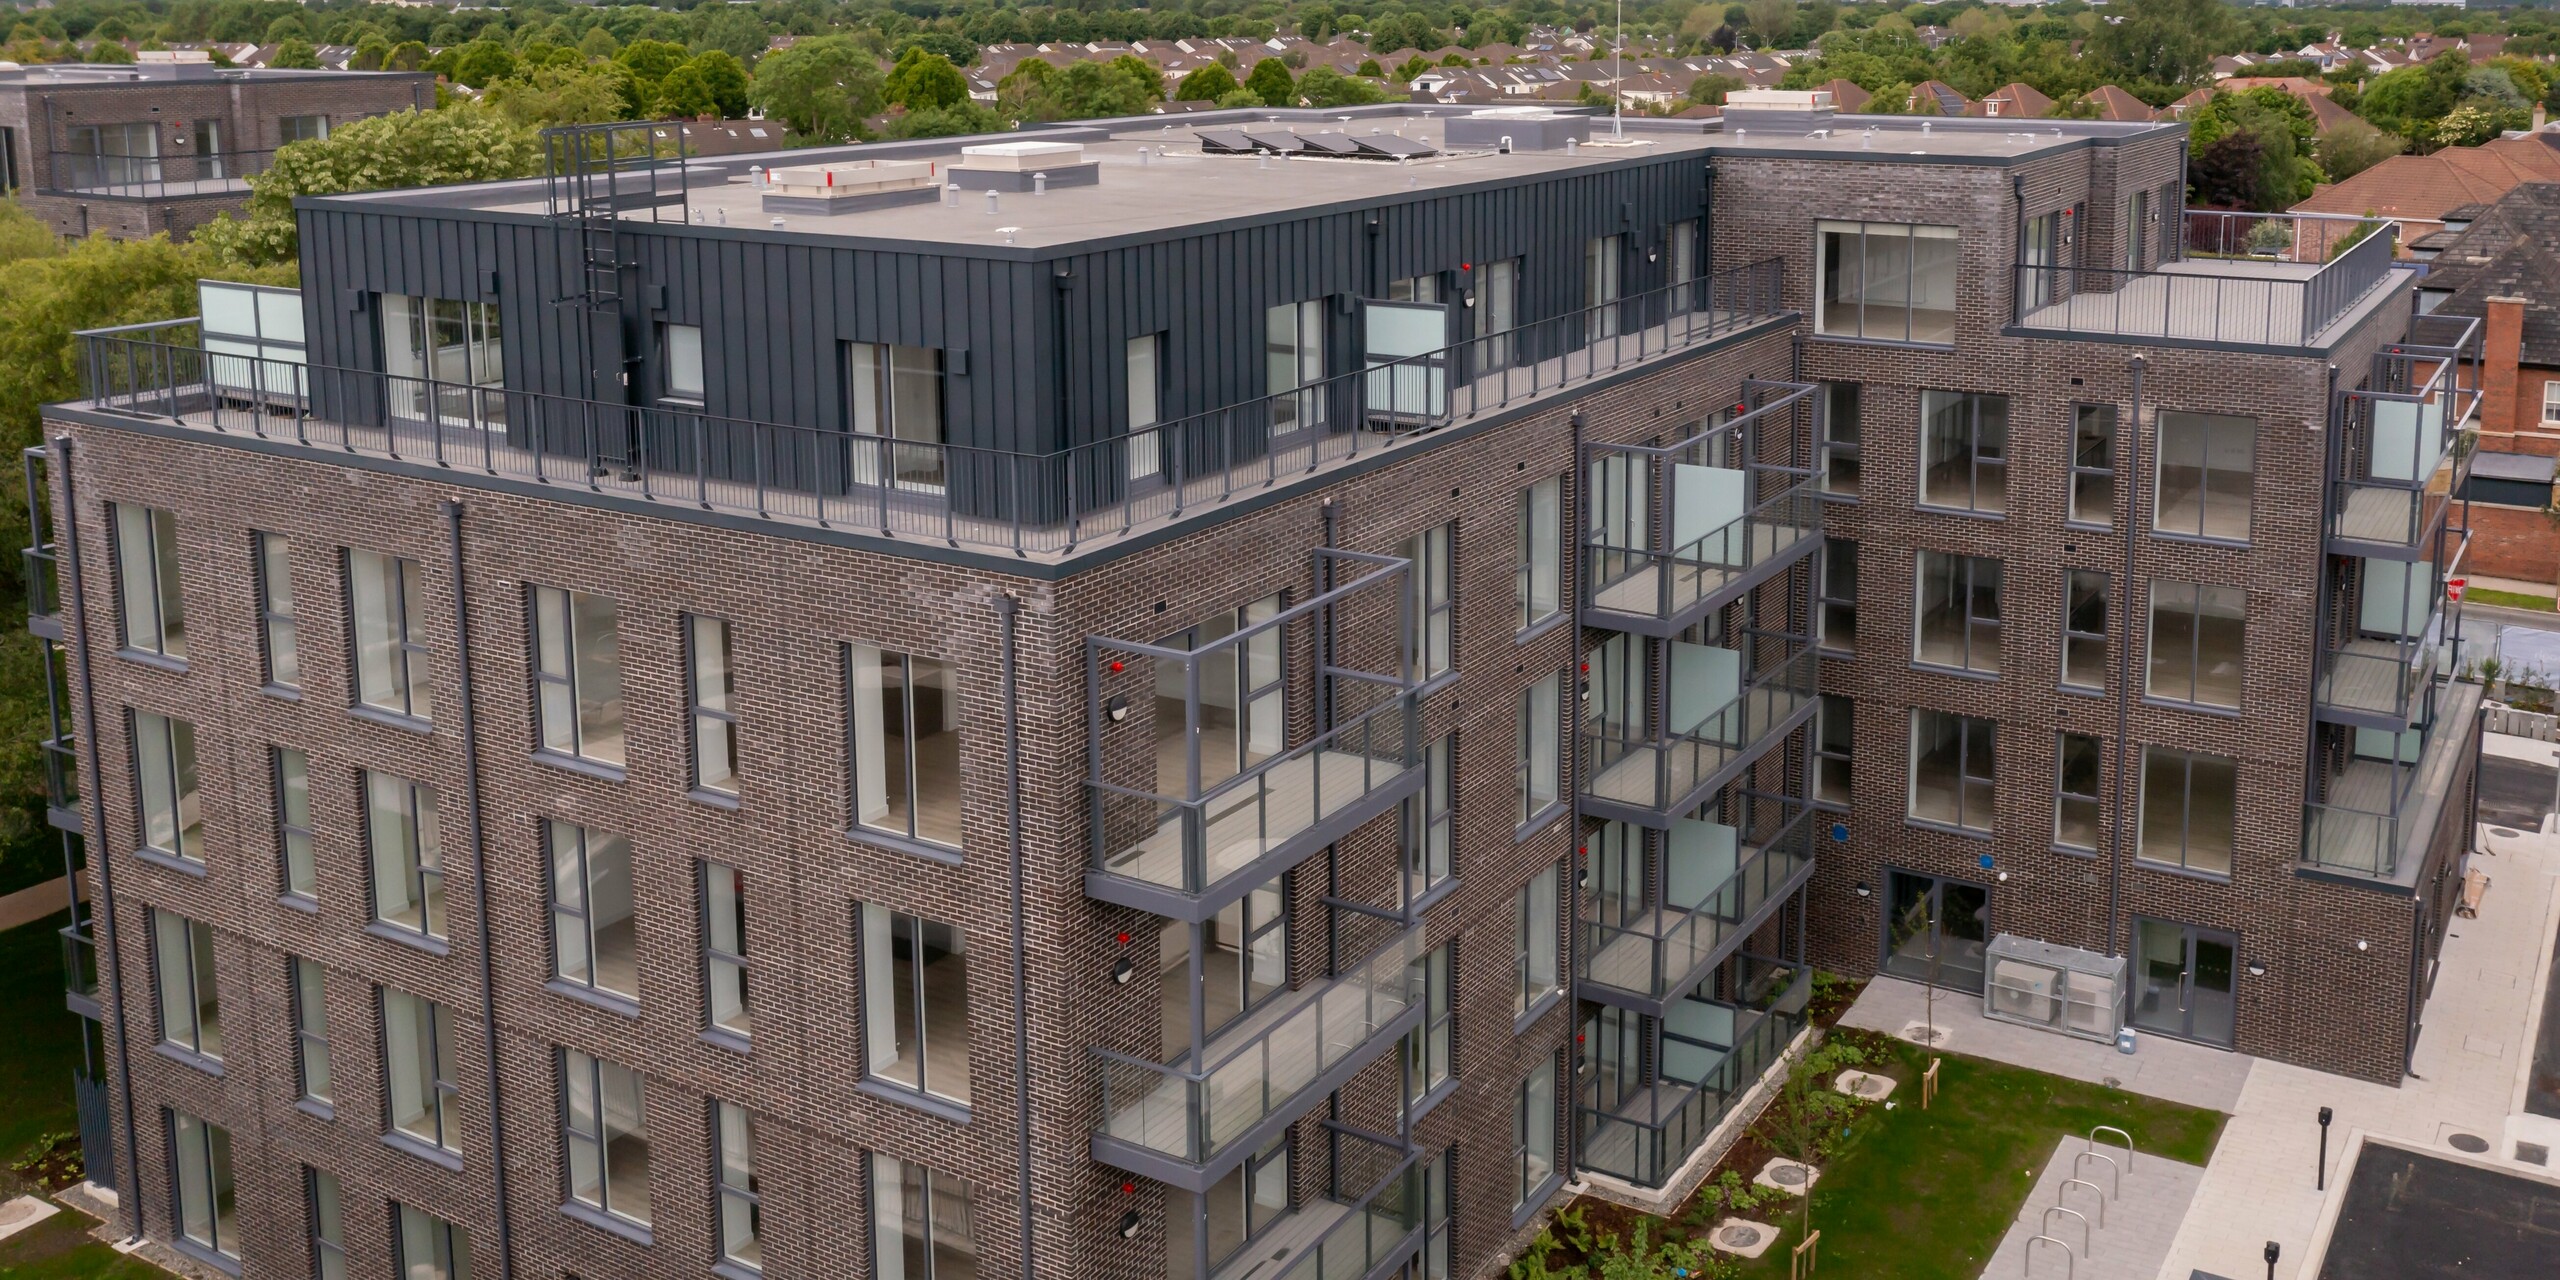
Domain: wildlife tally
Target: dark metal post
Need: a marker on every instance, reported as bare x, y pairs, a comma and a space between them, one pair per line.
2274, 1251
2320, 1177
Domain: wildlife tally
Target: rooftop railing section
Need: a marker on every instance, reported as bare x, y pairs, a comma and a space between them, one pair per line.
154, 177
1046, 505
2287, 279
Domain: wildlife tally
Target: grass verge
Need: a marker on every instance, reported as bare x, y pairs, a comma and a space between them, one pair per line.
2509, 599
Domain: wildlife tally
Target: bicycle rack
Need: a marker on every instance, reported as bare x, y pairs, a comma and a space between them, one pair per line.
2128, 1142
2070, 1261
2115, 1176
2088, 1241
2068, 1183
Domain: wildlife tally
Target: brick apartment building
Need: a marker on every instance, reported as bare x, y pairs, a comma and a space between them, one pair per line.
166, 144
937, 713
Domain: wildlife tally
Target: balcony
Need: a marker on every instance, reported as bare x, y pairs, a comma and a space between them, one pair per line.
1036, 506
1719, 729
153, 177
61, 782
80, 970
1676, 531
1718, 891
2376, 809
2404, 445
1643, 1133
1369, 1216
1187, 1123
1206, 795
2285, 289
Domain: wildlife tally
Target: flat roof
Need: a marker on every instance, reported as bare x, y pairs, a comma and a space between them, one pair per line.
54, 75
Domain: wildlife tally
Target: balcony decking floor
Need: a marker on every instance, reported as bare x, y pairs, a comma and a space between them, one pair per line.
2371, 678
1640, 593
1234, 833
1631, 780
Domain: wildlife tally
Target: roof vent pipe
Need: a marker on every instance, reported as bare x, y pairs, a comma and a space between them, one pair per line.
951, 194
1506, 144
991, 202
1572, 146
1924, 126
1039, 184
777, 224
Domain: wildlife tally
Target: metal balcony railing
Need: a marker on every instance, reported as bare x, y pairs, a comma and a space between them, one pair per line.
1649, 777
1645, 1138
158, 177
1369, 1215
2405, 441
80, 969
1026, 504
1669, 948
44, 600
62, 782
2374, 817
2270, 300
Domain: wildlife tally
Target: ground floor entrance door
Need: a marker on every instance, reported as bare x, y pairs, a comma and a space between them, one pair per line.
1936, 930
2182, 981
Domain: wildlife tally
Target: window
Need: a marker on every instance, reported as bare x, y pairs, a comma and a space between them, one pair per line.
1414, 289
2551, 402
2189, 807
2093, 464
577, 675
207, 1208
1439, 1242
1144, 363
1837, 628
1841, 442
741, 1204
906, 745
386, 595
275, 611
408, 860
894, 394
2197, 635
1886, 281
2075, 793
113, 155
922, 1224
1964, 451
604, 1126
1681, 241
1603, 257
1533, 1142
155, 618
2084, 629
1951, 770
594, 943
1430, 820
1957, 613
1835, 730
2206, 475
326, 1201
310, 1029
680, 345
1427, 1047
1431, 582
1541, 579
165, 780
915, 1003
2133, 227
1541, 766
418, 1058
190, 994
301, 129
1540, 929
724, 948
1293, 358
430, 1248
444, 352
293, 822
1497, 310
711, 685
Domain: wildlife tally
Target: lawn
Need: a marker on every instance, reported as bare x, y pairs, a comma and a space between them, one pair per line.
60, 1248
39, 1040
2508, 599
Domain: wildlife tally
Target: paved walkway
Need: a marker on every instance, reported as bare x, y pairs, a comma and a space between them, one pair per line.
2171, 1069
2141, 1218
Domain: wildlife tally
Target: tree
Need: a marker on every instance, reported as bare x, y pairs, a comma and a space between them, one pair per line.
958, 50
1802, 1119
1208, 84
1272, 82
370, 51
2467, 125
924, 79
822, 87
482, 63
1710, 89
946, 122
2411, 100
296, 54
727, 79
1083, 92
684, 95
1326, 87
466, 142
1771, 20
2354, 146
289, 27
2173, 41
1369, 67
408, 55
550, 96
109, 51
649, 62
2273, 169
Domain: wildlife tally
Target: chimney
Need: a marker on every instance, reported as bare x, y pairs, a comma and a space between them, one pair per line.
2501, 350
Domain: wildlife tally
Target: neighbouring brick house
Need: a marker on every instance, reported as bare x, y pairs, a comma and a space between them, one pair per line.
956, 725
2503, 269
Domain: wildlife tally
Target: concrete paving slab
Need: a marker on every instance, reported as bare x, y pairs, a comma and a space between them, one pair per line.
2141, 1220
2179, 1072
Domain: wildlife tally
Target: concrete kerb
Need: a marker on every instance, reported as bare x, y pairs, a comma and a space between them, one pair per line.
1676, 1189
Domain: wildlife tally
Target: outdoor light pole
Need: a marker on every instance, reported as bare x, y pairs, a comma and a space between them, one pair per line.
2274, 1251
2320, 1176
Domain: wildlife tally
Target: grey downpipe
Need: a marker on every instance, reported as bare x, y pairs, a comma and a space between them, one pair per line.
2325, 596
1577, 855
2130, 460
105, 911
1006, 607
480, 886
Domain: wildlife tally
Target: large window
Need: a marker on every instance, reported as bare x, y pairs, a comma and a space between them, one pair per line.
2197, 637
923, 1223
190, 994
1432, 585
164, 752
1293, 364
915, 1003
894, 393
741, 1202
724, 949
604, 1127
594, 943
2190, 806
310, 1030
1951, 770
1143, 361
280, 648
309, 128
1541, 573
1835, 749
292, 770
446, 353
155, 617
2551, 403
577, 673
112, 155
2084, 629
408, 859
711, 686
1533, 1141
1886, 281
1497, 310
1541, 929
418, 1060
1603, 258
1843, 450
906, 744
326, 1201
1539, 776
430, 1248
1964, 451
207, 1206
1427, 1048
1836, 626
1957, 613
2207, 475
680, 347
1430, 820
2093, 464
2075, 793
387, 597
